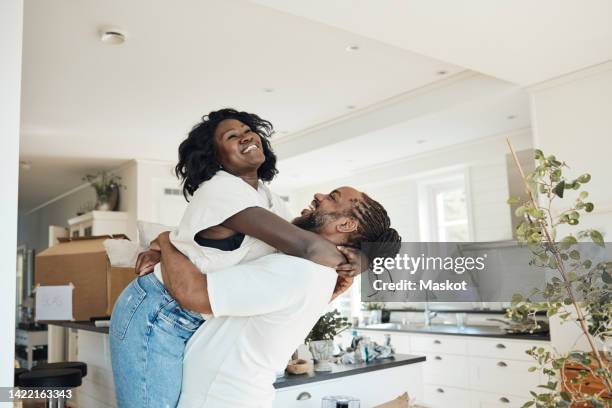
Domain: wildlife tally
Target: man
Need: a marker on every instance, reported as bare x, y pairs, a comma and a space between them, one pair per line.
262, 310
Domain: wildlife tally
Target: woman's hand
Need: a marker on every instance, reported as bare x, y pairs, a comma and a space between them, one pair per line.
356, 263
146, 261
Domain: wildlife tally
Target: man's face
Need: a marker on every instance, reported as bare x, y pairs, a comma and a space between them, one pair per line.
330, 214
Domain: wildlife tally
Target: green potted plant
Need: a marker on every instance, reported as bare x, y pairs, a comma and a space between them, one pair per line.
580, 291
107, 190
321, 338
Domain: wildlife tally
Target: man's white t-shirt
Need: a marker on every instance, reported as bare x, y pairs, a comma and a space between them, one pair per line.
263, 310
216, 200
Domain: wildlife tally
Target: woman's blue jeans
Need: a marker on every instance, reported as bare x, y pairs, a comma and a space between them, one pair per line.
148, 334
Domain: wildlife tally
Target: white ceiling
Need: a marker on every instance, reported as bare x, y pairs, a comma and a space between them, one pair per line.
87, 106
521, 41
466, 108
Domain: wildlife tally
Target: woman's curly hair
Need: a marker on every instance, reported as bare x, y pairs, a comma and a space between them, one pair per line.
198, 154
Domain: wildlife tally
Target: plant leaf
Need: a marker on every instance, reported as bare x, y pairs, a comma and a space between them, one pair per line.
559, 188
597, 237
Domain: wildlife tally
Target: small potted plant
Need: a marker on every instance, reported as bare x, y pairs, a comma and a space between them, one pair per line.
107, 190
321, 338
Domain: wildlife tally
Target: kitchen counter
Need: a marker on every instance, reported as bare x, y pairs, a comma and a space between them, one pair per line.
343, 370
338, 371
80, 325
470, 330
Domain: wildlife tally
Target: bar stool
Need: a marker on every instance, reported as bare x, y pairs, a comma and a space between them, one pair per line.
60, 379
18, 372
79, 365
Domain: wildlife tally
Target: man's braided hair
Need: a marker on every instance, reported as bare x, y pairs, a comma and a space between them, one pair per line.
374, 229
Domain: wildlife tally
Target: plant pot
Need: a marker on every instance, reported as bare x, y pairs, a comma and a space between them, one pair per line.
322, 351
110, 202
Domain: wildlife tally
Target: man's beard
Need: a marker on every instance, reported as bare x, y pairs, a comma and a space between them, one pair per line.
314, 221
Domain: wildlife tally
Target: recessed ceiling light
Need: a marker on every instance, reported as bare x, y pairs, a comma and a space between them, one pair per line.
511, 117
352, 48
268, 90
421, 141
112, 35
350, 107
442, 72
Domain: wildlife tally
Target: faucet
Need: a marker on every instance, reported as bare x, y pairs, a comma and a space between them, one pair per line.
429, 315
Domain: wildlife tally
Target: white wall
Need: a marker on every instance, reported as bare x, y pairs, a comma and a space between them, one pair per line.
34, 226
395, 185
153, 206
11, 23
572, 119
143, 180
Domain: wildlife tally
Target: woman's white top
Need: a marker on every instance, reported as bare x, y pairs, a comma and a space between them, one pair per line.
216, 200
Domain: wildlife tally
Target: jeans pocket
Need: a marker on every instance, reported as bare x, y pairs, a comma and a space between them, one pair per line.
181, 322
125, 308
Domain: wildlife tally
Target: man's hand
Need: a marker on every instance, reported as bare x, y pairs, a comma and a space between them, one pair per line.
356, 263
146, 261
342, 285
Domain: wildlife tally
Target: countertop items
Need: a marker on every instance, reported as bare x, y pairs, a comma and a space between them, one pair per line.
341, 370
470, 330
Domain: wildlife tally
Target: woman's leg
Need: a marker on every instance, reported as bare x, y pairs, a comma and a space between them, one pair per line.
170, 330
148, 333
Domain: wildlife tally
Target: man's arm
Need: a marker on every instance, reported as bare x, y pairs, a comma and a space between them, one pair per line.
182, 278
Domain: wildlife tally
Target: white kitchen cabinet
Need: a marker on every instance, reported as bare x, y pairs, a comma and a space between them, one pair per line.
496, 400
439, 344
444, 397
446, 369
305, 396
470, 371
97, 223
372, 388
502, 375
502, 348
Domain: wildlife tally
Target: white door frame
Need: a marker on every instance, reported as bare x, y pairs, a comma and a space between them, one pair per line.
11, 36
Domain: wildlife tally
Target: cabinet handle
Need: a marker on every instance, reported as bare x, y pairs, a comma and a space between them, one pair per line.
504, 400
438, 358
500, 346
437, 342
440, 390
304, 396
502, 364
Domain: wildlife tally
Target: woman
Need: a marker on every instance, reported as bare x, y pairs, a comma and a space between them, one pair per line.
232, 217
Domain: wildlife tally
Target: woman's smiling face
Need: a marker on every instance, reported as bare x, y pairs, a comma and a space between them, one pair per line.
239, 149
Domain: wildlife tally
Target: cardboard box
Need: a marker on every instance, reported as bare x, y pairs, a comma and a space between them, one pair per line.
83, 263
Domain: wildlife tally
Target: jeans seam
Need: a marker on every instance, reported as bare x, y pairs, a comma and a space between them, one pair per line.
146, 360
142, 294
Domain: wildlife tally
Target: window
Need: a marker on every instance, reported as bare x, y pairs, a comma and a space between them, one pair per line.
444, 210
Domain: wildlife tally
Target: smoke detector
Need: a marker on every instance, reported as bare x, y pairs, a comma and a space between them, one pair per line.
112, 35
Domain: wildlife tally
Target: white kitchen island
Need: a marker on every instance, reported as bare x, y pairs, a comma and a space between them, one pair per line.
373, 383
